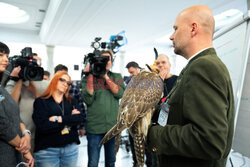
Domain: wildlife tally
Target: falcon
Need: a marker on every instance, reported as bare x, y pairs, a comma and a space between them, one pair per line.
136, 109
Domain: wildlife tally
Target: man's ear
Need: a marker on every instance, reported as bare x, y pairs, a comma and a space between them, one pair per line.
194, 29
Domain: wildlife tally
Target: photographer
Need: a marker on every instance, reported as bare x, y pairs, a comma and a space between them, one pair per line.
24, 93
102, 94
14, 138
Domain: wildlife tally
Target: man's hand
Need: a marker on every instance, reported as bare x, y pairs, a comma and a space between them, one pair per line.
86, 69
28, 159
90, 85
24, 144
105, 76
163, 74
114, 88
32, 88
15, 72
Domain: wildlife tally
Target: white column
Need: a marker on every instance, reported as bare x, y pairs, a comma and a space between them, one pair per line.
122, 62
50, 60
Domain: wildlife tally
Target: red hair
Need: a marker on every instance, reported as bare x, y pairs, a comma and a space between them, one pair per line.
53, 84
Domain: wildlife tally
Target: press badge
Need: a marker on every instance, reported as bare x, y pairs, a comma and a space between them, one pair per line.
65, 130
163, 116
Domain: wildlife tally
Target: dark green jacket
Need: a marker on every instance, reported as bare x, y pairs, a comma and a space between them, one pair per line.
103, 105
200, 124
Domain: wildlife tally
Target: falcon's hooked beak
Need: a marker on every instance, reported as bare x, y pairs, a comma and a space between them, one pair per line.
153, 68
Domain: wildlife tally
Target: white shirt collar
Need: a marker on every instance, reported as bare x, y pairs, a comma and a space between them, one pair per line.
197, 54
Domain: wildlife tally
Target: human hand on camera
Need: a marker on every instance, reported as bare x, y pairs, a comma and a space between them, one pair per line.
75, 111
86, 69
15, 72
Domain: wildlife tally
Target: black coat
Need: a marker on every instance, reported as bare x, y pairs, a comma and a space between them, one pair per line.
48, 134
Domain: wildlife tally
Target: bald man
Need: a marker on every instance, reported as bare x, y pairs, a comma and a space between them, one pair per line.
164, 66
200, 113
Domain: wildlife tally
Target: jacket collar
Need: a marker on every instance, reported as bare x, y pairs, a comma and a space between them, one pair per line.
205, 52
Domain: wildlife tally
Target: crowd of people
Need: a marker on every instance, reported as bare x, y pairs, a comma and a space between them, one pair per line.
192, 126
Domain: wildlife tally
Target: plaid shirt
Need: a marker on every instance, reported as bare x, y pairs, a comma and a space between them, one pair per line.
75, 93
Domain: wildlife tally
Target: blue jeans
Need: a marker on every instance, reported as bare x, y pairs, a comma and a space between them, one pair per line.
94, 150
57, 157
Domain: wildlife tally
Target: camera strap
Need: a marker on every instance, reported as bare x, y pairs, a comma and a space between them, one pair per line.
6, 75
14, 78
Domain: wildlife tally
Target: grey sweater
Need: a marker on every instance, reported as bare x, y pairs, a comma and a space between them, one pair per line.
9, 127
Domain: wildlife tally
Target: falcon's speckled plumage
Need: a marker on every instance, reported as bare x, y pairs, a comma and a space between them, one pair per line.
136, 109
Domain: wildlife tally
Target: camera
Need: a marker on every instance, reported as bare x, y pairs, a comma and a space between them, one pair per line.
97, 62
30, 70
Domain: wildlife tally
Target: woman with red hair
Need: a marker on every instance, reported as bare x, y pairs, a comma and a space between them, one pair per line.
56, 117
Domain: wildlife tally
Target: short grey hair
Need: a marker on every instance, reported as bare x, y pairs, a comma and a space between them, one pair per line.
164, 56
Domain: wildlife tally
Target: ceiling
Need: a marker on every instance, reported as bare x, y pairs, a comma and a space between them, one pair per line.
78, 22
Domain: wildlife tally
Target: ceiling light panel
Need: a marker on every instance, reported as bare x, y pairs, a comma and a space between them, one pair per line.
10, 14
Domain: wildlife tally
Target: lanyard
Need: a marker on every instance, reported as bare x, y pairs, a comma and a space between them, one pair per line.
61, 108
177, 83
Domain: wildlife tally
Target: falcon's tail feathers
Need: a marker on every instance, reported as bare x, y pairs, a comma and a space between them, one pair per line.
139, 149
114, 131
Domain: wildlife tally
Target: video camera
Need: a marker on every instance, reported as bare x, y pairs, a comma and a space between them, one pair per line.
97, 62
30, 70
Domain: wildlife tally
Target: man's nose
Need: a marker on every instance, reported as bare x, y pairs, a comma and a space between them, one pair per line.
171, 37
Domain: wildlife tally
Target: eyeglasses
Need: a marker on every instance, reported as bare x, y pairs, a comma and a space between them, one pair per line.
64, 81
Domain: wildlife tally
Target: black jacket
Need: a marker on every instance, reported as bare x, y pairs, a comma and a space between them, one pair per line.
48, 134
